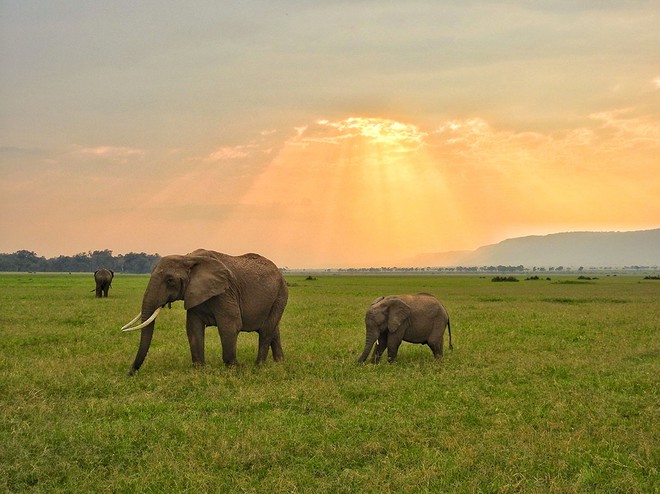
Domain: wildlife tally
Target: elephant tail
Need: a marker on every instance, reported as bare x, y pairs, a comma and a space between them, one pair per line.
451, 346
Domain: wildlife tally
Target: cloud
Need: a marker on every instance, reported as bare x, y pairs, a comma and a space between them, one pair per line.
626, 128
111, 152
396, 136
381, 131
468, 132
230, 153
255, 150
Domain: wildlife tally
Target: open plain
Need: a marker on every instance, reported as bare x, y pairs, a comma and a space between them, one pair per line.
552, 387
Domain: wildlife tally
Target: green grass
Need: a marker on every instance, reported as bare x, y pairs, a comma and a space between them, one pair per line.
551, 387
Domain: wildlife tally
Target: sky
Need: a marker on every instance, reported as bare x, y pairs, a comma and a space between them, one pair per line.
324, 134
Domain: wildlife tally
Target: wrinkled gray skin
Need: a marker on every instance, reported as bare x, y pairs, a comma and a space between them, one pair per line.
242, 293
418, 318
103, 278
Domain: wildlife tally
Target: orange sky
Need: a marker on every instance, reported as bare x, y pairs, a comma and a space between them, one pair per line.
325, 137
359, 191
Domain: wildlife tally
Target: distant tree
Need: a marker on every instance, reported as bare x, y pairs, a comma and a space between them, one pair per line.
22, 261
138, 263
102, 259
80, 262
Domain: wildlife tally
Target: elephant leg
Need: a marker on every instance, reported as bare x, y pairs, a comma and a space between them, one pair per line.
435, 342
436, 348
228, 320
276, 346
195, 331
393, 343
265, 340
228, 338
269, 334
98, 293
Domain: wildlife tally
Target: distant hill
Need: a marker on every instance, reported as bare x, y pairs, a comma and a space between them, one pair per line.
571, 249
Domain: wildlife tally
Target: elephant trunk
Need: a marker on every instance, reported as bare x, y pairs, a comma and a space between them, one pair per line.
149, 312
371, 338
145, 342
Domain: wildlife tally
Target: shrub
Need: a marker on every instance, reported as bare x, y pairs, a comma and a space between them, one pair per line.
504, 278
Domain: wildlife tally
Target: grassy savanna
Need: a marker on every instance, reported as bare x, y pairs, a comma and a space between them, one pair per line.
552, 387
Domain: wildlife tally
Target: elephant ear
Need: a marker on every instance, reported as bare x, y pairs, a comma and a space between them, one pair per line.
208, 278
399, 314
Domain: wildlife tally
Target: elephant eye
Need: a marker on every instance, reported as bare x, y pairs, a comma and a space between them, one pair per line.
170, 281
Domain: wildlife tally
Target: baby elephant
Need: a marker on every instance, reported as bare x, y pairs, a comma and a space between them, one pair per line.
419, 318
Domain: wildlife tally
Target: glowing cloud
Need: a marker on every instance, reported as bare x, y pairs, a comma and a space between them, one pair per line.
400, 136
113, 152
229, 153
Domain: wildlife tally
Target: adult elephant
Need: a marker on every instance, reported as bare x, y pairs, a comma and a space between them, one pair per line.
234, 293
418, 318
103, 278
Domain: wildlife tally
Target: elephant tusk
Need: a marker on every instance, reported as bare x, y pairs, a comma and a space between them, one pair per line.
132, 321
145, 323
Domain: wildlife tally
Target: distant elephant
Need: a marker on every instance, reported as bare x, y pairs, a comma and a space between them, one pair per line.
103, 278
419, 318
242, 293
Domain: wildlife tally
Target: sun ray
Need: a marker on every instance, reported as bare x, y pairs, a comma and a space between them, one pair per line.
359, 189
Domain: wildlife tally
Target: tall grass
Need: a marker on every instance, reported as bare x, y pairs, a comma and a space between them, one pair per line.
551, 387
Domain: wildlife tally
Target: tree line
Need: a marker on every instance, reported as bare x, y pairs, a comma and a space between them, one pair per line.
28, 261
